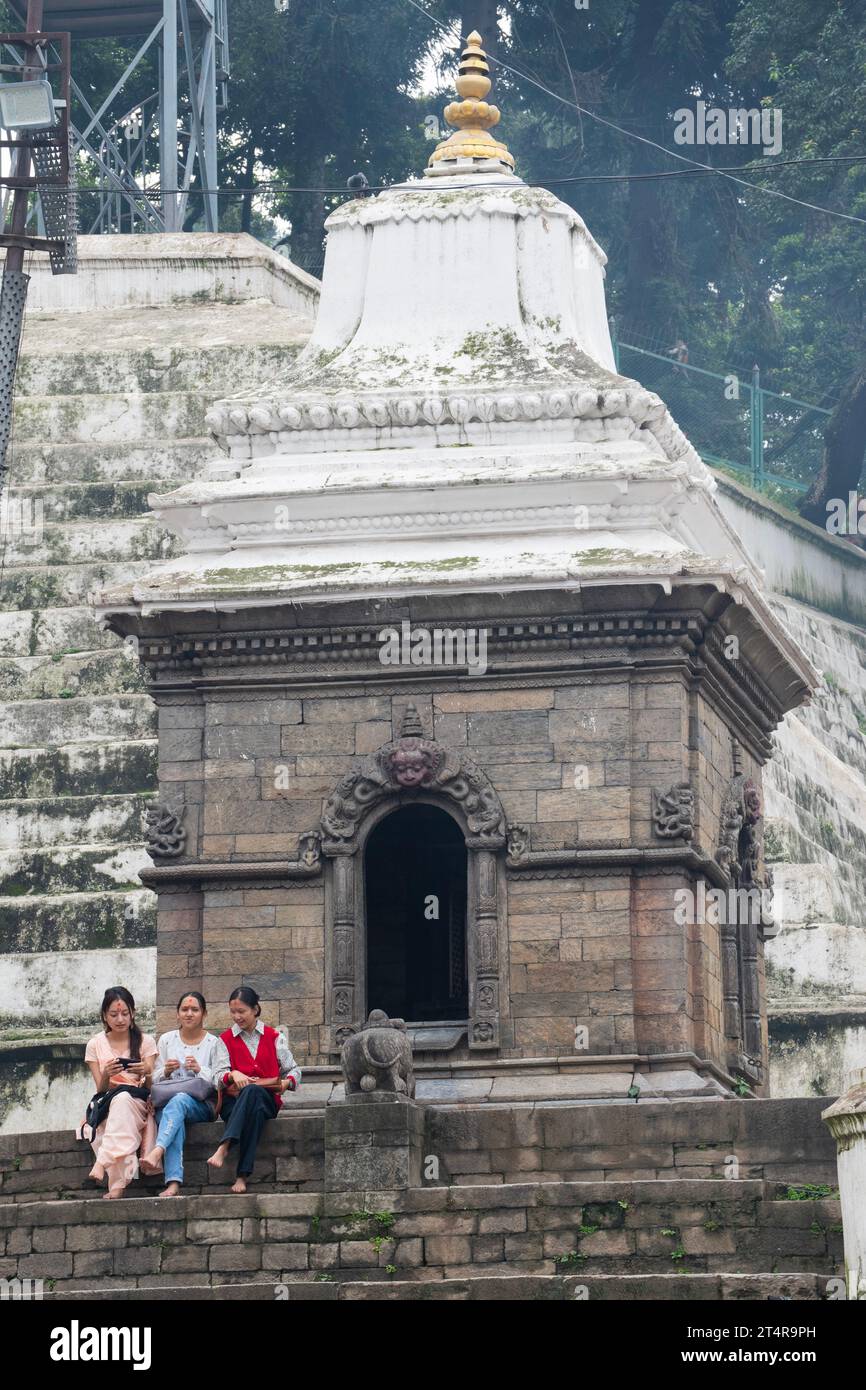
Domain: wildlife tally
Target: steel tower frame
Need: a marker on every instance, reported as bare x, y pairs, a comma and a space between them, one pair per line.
190, 38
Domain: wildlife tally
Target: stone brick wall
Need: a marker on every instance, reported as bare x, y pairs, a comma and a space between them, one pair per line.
574, 758
782, 1141
421, 1235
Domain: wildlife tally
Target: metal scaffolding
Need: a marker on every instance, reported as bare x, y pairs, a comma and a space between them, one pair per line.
147, 155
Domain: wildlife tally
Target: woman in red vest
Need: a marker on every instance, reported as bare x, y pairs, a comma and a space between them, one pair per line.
262, 1069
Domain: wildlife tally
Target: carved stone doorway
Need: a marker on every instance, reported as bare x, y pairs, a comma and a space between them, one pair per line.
415, 874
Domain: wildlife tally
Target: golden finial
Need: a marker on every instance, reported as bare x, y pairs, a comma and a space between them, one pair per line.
472, 116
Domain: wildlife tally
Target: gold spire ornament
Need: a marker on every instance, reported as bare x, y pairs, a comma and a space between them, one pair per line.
472, 116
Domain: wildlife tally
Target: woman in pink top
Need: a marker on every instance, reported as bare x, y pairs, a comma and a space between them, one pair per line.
121, 1056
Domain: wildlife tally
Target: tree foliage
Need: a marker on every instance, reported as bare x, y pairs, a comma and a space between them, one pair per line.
334, 87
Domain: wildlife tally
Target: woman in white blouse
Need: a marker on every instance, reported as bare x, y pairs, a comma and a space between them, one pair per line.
186, 1052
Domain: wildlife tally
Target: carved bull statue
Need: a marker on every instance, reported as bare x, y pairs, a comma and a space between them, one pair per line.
378, 1057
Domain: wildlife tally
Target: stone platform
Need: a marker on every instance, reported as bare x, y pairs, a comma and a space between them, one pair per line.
654, 1200
778, 1141
627, 1229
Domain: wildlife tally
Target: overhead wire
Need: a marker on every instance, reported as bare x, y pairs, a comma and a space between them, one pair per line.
644, 140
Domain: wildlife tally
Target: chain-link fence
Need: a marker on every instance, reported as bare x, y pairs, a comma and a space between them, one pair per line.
733, 423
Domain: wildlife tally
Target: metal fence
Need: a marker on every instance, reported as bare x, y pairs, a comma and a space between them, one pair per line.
734, 423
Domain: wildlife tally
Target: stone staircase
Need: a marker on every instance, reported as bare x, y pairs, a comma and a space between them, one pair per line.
611, 1229
118, 412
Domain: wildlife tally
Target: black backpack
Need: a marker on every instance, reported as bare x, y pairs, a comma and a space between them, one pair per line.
98, 1106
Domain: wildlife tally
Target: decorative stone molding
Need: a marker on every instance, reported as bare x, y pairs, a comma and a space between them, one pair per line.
236, 870
674, 633
409, 765
673, 812
412, 763
164, 836
598, 411
420, 203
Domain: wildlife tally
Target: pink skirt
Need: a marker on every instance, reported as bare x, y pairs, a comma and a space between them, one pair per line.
128, 1132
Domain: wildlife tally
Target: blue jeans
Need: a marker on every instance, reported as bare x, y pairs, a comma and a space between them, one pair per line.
173, 1120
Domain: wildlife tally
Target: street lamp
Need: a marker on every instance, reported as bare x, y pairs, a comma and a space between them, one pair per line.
27, 106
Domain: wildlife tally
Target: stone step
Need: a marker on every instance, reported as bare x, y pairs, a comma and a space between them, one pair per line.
77, 922
72, 820
118, 417
79, 769
99, 372
54, 632
93, 869
164, 460
79, 542
38, 724
65, 675
32, 587
566, 1230
50, 503
547, 1288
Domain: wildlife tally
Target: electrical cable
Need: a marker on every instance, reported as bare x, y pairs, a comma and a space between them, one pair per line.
644, 140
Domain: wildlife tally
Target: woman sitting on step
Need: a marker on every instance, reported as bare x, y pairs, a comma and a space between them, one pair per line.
262, 1069
120, 1059
184, 1085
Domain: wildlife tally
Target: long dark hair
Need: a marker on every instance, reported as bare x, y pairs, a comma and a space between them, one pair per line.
111, 995
247, 996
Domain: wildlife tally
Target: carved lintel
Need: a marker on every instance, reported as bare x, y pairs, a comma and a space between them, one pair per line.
673, 812
412, 763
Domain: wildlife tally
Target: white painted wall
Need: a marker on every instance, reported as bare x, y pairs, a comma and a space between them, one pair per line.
36, 988
119, 272
799, 559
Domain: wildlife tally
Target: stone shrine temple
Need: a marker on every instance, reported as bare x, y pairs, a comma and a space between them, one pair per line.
464, 681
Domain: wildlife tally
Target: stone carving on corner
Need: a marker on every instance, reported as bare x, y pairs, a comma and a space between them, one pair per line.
412, 763
738, 853
739, 848
378, 1057
164, 836
673, 812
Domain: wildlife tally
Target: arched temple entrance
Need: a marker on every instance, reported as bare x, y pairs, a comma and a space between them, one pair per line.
412, 774
415, 868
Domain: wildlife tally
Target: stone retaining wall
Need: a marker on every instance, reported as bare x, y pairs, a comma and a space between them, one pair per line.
630, 1228
779, 1140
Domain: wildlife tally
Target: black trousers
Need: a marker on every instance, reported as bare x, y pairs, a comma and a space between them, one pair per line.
245, 1116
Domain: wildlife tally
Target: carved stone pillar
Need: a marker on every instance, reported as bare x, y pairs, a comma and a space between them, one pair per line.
484, 955
846, 1121
343, 981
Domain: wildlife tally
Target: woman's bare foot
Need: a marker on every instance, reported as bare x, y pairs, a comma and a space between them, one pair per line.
218, 1157
239, 1185
152, 1162
97, 1172
173, 1190
113, 1193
